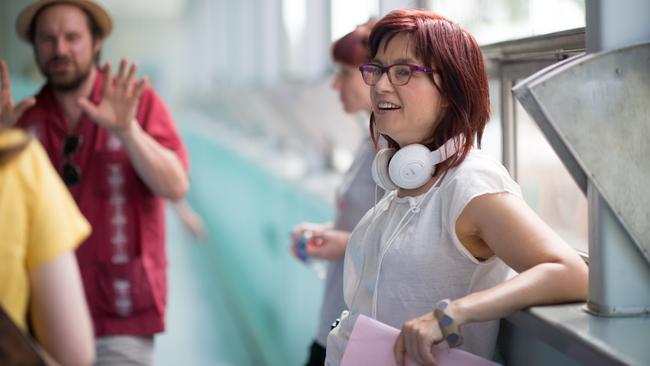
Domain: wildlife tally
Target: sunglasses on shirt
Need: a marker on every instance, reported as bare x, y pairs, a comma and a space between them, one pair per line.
70, 172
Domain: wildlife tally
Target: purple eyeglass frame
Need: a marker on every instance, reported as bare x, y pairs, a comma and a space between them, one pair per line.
385, 70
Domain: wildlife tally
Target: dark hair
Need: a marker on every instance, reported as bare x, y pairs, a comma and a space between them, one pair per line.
95, 30
352, 49
441, 44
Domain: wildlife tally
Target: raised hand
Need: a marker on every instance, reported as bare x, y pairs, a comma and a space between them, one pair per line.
10, 113
121, 96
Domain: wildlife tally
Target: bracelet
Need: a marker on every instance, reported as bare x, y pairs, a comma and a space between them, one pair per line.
450, 330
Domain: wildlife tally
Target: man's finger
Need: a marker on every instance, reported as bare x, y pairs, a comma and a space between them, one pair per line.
132, 71
88, 107
141, 85
108, 82
4, 76
122, 71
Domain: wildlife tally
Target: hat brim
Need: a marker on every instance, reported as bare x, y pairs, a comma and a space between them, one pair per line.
99, 14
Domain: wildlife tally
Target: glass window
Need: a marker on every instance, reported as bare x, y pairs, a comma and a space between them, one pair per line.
500, 20
492, 135
546, 184
294, 15
348, 14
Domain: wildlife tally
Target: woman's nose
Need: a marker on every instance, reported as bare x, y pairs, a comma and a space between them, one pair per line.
383, 84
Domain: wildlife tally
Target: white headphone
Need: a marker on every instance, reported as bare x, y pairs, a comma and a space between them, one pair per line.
409, 167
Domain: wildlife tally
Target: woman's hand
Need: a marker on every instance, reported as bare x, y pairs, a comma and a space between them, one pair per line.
324, 242
121, 96
297, 234
328, 244
299, 230
10, 113
416, 339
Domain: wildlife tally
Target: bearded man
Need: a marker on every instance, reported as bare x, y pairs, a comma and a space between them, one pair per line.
114, 143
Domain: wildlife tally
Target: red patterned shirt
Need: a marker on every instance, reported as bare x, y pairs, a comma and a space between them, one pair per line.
123, 263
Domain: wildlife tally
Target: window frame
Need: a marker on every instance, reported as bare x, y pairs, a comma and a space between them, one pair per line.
518, 59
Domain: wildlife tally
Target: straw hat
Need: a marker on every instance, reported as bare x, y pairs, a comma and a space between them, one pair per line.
26, 17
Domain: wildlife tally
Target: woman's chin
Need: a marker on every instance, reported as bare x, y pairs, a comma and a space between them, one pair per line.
381, 127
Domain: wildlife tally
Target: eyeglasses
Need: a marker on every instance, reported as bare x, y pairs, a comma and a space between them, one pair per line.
70, 172
398, 74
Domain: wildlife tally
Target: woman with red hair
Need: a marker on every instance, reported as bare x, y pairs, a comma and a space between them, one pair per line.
355, 195
433, 256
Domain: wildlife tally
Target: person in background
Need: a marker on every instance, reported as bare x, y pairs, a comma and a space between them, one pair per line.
40, 285
433, 256
115, 145
355, 195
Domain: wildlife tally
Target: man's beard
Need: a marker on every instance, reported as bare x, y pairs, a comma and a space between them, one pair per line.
68, 82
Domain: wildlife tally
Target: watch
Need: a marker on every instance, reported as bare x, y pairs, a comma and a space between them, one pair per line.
450, 330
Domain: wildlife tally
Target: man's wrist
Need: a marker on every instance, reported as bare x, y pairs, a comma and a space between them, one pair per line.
125, 133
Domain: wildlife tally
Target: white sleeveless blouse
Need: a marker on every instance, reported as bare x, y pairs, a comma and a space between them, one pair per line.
394, 274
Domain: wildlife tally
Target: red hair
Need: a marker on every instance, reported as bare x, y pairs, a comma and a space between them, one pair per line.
352, 48
443, 45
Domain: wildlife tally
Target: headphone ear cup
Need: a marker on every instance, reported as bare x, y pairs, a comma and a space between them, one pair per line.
411, 167
380, 169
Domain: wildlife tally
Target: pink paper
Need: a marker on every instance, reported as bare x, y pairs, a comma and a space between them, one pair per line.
371, 343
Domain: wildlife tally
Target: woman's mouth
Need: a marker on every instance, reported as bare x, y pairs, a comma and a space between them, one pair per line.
387, 106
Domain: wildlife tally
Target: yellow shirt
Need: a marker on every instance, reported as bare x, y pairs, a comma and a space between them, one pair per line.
39, 221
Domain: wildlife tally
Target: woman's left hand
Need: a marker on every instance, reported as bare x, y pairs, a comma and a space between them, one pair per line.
417, 339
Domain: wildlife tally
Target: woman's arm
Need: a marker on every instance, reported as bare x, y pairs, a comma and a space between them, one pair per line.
549, 270
59, 312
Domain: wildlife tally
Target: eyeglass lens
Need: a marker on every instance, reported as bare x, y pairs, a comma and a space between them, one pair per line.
397, 74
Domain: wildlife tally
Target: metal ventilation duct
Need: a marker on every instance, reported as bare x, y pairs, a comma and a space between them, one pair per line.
595, 112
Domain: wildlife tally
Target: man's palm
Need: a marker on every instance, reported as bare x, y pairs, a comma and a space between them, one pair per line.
10, 113
121, 96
